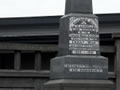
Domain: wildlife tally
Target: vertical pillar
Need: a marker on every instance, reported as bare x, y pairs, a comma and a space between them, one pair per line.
17, 60
117, 64
37, 61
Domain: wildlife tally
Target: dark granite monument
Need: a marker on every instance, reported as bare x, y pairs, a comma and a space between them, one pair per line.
79, 54
79, 61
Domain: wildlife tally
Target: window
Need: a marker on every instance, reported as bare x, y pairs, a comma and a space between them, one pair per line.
27, 61
6, 61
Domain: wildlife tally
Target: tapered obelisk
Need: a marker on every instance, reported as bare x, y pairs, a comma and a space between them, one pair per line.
79, 54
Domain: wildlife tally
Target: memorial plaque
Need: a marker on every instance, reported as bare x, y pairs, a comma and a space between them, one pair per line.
83, 35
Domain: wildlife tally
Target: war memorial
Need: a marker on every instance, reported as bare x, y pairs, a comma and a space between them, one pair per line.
79, 65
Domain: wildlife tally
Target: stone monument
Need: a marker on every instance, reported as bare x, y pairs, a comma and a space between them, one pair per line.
79, 62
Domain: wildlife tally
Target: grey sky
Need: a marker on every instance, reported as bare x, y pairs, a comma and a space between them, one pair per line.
18, 8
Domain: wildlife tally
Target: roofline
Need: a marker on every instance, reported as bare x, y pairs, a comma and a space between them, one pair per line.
103, 18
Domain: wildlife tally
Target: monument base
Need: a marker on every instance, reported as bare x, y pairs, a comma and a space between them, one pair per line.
64, 84
79, 67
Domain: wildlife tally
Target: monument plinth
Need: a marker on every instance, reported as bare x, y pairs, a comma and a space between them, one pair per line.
79, 53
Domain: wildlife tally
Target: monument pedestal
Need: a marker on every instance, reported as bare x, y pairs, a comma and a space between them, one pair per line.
79, 67
65, 84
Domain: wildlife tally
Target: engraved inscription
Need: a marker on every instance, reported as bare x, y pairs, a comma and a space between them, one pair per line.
83, 35
84, 68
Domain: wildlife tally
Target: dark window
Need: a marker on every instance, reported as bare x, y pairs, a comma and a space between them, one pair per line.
27, 61
111, 60
46, 57
7, 61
